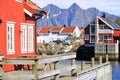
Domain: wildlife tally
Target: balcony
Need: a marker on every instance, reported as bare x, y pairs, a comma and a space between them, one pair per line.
104, 31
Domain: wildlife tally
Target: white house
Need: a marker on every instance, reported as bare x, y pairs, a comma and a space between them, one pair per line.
49, 34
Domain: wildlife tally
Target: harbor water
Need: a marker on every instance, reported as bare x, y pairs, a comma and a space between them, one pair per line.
115, 70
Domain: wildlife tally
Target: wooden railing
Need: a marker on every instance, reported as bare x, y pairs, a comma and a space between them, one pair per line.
91, 73
99, 72
40, 60
1, 72
102, 71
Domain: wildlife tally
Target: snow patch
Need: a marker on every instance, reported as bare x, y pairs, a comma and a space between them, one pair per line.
48, 14
54, 15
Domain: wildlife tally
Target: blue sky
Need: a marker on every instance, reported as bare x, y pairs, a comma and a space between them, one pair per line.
110, 6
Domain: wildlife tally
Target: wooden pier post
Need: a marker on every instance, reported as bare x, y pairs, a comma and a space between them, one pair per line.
35, 69
82, 65
1, 73
73, 71
56, 66
110, 75
106, 57
100, 59
92, 61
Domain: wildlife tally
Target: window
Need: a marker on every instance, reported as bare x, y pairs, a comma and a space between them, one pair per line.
92, 33
102, 26
19, 0
92, 38
55, 33
86, 37
23, 38
105, 37
26, 38
101, 37
10, 37
92, 28
30, 38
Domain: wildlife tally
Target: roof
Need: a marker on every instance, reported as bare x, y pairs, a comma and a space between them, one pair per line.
68, 30
44, 30
57, 28
63, 30
108, 22
34, 6
112, 24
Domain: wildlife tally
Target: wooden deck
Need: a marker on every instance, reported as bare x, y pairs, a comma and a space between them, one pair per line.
64, 67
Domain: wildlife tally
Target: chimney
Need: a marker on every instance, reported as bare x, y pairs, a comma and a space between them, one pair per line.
103, 15
64, 25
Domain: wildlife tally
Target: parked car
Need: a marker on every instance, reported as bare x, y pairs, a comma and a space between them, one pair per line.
67, 42
58, 41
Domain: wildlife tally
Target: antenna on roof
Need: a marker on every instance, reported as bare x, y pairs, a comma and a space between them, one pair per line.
64, 25
103, 15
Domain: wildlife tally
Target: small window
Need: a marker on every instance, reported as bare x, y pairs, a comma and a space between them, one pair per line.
19, 0
86, 37
92, 28
92, 38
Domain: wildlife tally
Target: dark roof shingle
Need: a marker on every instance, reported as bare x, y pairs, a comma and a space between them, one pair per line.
112, 24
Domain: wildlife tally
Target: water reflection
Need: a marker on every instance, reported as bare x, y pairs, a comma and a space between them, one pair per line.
115, 70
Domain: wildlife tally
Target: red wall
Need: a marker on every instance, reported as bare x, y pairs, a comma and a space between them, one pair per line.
116, 33
10, 10
87, 29
107, 41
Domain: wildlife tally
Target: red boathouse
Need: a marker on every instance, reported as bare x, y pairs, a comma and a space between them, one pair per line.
102, 30
18, 29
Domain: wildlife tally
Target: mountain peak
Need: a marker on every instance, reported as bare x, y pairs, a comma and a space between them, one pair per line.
73, 16
51, 6
74, 5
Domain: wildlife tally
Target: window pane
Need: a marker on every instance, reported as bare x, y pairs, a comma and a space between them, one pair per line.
10, 38
92, 38
92, 29
30, 38
23, 38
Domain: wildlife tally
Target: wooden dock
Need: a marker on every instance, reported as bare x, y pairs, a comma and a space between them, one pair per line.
64, 67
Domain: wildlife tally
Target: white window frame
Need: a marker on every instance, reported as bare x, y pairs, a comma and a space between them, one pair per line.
23, 38
91, 34
19, 0
86, 36
90, 29
91, 39
103, 36
30, 38
10, 34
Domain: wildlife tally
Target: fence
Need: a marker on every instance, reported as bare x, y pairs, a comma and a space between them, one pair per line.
95, 72
1, 72
99, 72
106, 48
36, 74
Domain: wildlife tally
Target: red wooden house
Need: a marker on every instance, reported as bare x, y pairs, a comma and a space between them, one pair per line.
102, 30
18, 29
